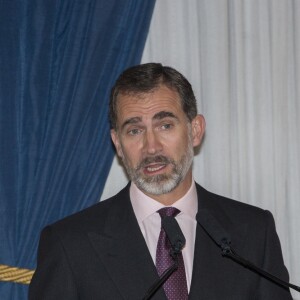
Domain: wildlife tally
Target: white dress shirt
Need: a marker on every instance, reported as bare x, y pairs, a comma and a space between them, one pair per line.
145, 209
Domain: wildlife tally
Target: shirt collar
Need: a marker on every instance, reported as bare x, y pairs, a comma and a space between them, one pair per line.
144, 206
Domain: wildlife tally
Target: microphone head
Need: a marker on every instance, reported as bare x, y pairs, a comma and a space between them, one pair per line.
174, 233
214, 229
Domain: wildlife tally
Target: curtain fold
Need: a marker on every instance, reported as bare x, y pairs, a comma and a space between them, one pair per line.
59, 60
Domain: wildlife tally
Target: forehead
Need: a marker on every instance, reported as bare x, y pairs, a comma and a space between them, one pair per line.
146, 105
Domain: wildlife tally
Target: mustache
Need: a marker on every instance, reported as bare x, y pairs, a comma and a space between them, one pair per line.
155, 159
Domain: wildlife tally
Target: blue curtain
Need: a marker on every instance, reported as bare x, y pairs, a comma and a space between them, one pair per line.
58, 61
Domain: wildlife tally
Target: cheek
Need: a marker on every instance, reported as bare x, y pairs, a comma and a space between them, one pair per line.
131, 155
182, 143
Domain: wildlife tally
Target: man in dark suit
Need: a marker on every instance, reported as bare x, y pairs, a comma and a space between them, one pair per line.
109, 251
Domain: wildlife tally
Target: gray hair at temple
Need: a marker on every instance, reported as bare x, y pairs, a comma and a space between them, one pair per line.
145, 78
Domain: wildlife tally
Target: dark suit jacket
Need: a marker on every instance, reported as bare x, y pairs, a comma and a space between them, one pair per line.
100, 253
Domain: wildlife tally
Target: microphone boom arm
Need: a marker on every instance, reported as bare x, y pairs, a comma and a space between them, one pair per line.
223, 240
247, 264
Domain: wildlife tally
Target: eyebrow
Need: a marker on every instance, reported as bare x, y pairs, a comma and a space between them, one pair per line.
133, 120
164, 114
158, 116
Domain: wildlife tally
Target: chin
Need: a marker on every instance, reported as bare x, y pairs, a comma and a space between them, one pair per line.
158, 185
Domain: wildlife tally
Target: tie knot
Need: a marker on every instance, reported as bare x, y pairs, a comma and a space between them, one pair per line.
168, 212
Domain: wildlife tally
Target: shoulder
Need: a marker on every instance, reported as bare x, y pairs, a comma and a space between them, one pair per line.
252, 229
95, 215
207, 198
233, 211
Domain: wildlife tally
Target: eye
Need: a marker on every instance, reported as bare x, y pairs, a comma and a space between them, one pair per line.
166, 126
134, 131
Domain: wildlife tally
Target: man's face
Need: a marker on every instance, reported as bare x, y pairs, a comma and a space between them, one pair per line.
155, 140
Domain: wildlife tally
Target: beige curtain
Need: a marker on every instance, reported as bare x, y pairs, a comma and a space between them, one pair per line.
243, 60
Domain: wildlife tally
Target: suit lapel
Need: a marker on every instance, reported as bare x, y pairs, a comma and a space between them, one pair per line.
123, 251
214, 276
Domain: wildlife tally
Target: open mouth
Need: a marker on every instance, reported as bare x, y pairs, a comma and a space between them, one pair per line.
154, 168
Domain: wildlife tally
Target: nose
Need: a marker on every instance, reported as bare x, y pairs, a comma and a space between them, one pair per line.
152, 144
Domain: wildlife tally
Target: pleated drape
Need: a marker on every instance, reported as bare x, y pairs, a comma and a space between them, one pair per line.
59, 60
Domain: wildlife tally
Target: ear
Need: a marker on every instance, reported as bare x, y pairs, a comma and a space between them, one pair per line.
198, 129
116, 141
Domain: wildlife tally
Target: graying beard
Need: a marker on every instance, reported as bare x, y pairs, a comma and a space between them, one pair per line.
163, 184
160, 184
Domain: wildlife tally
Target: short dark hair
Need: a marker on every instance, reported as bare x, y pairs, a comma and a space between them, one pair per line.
146, 77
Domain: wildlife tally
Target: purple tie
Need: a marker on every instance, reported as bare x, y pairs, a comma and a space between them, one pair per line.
175, 287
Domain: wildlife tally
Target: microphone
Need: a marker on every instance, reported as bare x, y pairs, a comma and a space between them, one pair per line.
174, 234
212, 227
177, 241
214, 230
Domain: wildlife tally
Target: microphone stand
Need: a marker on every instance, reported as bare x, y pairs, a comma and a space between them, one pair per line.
164, 277
222, 239
177, 241
247, 264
